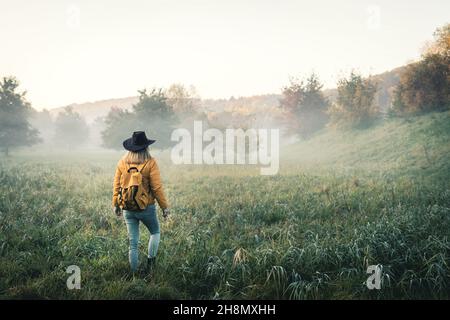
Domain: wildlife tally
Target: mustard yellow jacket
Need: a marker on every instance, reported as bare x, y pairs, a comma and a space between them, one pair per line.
151, 180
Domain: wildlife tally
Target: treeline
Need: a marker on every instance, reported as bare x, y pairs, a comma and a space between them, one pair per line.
15, 129
303, 107
21, 125
157, 112
424, 87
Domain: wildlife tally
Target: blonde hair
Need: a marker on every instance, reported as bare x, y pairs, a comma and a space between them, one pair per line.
137, 157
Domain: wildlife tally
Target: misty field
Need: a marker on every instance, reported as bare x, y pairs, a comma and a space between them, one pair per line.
341, 202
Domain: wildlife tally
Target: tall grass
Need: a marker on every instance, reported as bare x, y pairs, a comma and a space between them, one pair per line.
308, 233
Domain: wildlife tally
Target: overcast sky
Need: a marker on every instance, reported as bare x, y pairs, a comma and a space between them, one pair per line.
77, 51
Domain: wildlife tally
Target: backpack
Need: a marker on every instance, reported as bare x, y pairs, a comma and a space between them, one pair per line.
132, 194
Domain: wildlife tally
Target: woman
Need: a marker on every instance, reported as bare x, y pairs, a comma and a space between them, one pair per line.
138, 159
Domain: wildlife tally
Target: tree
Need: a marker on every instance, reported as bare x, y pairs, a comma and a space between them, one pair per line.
15, 129
71, 129
119, 124
152, 114
306, 104
42, 121
184, 101
425, 85
355, 105
155, 116
95, 131
441, 43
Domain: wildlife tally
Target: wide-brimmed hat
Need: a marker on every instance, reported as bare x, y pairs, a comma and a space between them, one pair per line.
137, 142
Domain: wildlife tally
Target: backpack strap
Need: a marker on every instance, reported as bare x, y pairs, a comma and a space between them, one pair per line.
149, 180
142, 166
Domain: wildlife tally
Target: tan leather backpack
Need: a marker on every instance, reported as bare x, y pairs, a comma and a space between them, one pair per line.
132, 194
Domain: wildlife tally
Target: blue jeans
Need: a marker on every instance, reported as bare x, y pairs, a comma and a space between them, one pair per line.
150, 220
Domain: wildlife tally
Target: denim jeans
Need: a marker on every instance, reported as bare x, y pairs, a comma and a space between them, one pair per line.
150, 220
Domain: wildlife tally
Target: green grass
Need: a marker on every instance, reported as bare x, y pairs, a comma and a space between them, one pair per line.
342, 201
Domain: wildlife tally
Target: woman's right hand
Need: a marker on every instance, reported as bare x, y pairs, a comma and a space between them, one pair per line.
166, 213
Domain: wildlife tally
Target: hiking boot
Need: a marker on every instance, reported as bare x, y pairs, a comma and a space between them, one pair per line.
151, 263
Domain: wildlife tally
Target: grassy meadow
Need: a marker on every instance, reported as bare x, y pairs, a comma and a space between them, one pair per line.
342, 201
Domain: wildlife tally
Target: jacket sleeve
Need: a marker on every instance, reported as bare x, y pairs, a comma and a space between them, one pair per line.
116, 185
156, 185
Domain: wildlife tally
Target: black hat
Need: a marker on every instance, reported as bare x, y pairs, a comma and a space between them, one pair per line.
137, 142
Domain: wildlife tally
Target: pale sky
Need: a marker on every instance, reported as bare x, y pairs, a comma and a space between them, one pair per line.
77, 51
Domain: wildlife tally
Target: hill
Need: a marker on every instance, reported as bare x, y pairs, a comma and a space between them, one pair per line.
414, 146
343, 201
91, 110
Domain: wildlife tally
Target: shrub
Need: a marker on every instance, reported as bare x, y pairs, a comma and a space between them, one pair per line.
355, 105
306, 104
425, 85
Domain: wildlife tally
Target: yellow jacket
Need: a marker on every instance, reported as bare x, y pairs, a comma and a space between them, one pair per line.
151, 180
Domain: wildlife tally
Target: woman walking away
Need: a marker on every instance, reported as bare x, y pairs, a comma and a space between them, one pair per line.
137, 183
